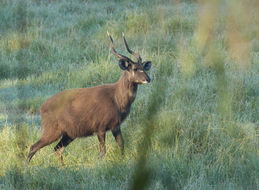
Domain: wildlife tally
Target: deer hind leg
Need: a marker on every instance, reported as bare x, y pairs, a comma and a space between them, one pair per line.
37, 146
46, 139
34, 148
101, 138
60, 147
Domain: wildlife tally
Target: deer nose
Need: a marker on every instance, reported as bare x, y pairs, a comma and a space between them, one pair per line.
148, 79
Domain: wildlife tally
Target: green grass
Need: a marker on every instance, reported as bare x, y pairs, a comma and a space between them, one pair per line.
197, 120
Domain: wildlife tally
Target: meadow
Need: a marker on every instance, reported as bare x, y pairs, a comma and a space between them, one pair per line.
195, 126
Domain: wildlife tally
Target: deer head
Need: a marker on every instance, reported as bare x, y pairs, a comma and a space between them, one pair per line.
136, 70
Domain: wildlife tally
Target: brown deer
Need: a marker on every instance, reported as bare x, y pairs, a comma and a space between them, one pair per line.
84, 112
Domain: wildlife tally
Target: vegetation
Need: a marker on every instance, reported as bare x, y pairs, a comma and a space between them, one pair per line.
195, 126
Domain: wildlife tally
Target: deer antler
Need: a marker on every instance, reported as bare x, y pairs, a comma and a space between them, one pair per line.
129, 50
115, 52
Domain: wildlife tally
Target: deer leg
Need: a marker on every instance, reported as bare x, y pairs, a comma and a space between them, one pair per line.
44, 141
37, 146
118, 137
60, 147
34, 148
101, 138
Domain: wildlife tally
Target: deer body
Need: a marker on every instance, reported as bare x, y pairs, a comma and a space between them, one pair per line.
84, 112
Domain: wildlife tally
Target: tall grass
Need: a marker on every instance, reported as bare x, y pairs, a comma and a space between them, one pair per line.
194, 127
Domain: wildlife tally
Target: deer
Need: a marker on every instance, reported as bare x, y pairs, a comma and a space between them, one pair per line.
83, 112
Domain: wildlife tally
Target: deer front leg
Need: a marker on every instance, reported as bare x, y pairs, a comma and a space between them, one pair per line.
101, 138
118, 137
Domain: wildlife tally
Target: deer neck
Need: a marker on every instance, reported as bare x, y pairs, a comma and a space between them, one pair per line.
125, 92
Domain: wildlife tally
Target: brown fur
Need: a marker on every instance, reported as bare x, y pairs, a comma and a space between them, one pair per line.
83, 112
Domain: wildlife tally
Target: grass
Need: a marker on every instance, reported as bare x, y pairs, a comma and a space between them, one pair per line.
202, 101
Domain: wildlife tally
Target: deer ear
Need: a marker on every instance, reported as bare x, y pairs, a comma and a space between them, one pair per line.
147, 65
124, 65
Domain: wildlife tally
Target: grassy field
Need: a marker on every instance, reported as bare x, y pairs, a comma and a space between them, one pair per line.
195, 126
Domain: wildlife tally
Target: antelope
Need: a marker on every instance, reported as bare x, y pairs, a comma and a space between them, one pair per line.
84, 112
